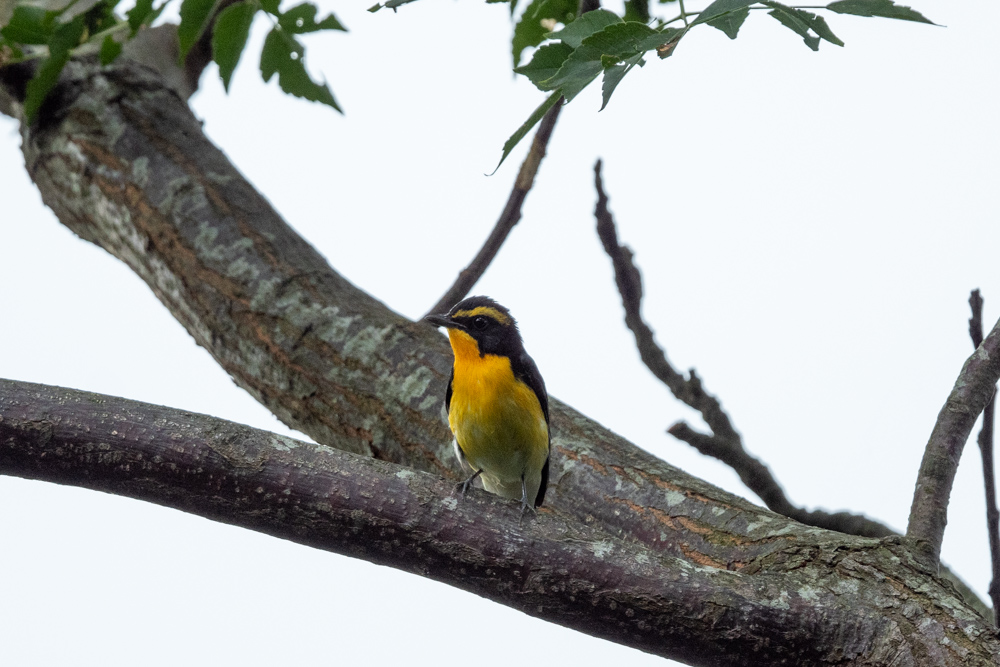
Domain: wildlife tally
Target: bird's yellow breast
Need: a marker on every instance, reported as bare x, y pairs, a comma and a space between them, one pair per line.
497, 419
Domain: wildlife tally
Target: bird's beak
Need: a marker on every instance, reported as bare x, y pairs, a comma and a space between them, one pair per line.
443, 321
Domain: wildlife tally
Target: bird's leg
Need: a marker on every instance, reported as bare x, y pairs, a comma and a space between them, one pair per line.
462, 487
524, 501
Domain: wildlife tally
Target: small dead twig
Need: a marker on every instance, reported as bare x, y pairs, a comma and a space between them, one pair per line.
471, 274
724, 443
986, 450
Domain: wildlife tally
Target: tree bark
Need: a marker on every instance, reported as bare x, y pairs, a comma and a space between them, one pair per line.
830, 598
627, 547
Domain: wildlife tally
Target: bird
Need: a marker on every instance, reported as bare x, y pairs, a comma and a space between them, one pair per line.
497, 406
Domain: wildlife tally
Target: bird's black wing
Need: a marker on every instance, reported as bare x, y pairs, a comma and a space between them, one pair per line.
447, 393
526, 371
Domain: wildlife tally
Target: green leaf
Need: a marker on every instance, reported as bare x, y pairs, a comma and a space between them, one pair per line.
545, 63
582, 67
28, 25
302, 19
391, 4
529, 30
819, 26
271, 6
637, 10
195, 16
99, 17
730, 23
585, 26
533, 119
229, 38
801, 22
794, 20
612, 44
109, 50
720, 8
283, 55
141, 14
625, 39
64, 38
884, 8
613, 76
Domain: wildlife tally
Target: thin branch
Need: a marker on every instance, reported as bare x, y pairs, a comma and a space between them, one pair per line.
986, 450
724, 443
551, 567
510, 216
973, 389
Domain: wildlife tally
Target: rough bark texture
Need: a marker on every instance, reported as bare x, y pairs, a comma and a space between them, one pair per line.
827, 598
972, 391
123, 163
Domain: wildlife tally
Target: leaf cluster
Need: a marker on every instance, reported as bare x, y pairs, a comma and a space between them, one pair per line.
601, 42
52, 31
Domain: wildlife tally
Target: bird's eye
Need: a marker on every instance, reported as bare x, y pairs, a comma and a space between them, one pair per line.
480, 322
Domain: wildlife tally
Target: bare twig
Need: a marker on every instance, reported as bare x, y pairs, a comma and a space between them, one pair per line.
471, 274
972, 391
724, 443
986, 450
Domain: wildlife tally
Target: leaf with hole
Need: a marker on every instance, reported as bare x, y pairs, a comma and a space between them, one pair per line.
283, 55
302, 19
530, 30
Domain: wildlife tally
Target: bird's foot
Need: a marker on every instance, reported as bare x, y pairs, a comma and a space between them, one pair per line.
462, 487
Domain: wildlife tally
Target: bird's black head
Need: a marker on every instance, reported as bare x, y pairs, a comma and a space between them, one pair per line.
486, 321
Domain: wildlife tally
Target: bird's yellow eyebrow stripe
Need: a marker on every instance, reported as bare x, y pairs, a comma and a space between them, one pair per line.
484, 310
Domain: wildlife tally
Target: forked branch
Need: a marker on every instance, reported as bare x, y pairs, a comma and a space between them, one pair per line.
724, 443
973, 389
986, 452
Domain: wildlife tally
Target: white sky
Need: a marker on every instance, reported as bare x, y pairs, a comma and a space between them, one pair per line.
809, 226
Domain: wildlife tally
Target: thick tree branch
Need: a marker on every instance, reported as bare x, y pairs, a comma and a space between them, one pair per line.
986, 451
510, 216
552, 567
724, 443
972, 391
123, 163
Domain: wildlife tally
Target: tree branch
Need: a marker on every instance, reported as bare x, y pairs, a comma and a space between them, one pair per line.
510, 216
724, 443
551, 567
973, 389
124, 164
986, 451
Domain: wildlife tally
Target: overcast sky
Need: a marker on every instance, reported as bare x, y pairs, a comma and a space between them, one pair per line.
808, 225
